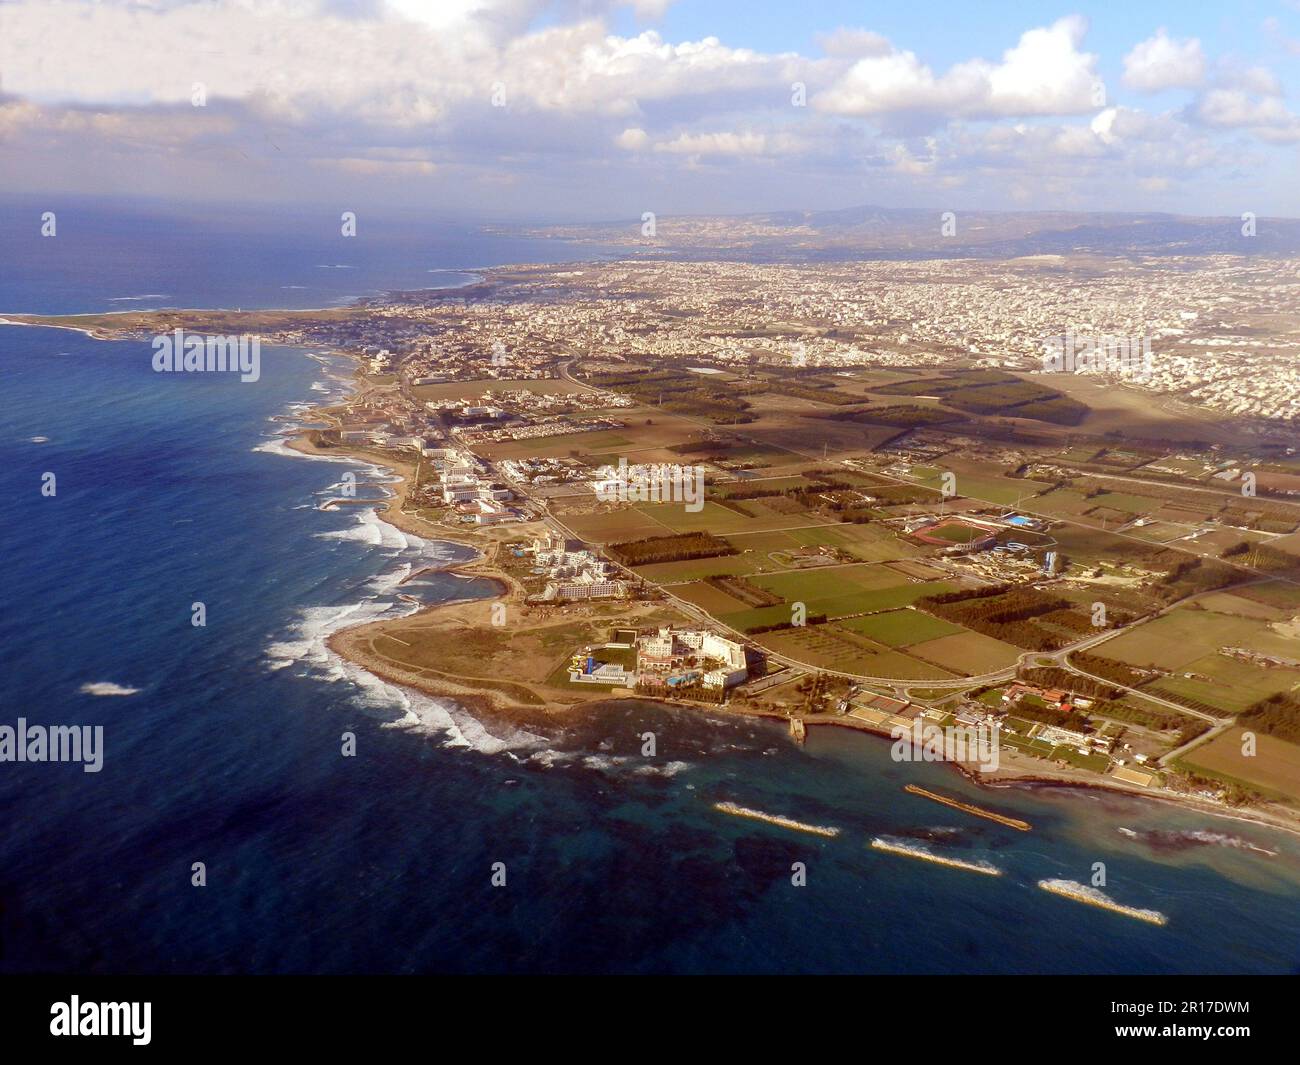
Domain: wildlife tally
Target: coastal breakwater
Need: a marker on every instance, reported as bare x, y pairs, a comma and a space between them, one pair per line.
1092, 897
909, 850
965, 807
775, 819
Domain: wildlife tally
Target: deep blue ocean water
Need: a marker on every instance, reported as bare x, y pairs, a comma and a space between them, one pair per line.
173, 490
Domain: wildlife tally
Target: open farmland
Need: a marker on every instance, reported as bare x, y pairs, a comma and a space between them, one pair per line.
827, 647
721, 520
967, 652
899, 628
1274, 768
613, 526
838, 606
694, 569
1186, 635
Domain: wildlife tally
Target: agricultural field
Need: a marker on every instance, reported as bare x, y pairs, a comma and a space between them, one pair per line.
1186, 642
899, 628
613, 526
715, 518
992, 392
1289, 544
1004, 491
730, 488
807, 586
1160, 532
1274, 769
1062, 503
868, 542
1176, 466
478, 389
828, 647
838, 606
782, 549
1233, 603
1230, 685
695, 569
764, 542
641, 430
1185, 636
1280, 594
970, 653
1216, 541
706, 597
1125, 503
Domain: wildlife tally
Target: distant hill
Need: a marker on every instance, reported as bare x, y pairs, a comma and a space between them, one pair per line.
870, 232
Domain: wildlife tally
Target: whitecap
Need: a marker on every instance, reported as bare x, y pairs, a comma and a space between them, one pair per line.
107, 687
668, 769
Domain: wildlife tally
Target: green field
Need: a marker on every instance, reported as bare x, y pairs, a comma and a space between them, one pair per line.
827, 647
1062, 502
555, 446
1123, 502
829, 582
864, 602
1006, 491
613, 526
1232, 685
898, 628
695, 569
720, 520
971, 653
706, 597
1274, 769
764, 542
957, 534
1186, 636
869, 542
1231, 603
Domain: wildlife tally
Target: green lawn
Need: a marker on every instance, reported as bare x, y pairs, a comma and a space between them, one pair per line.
898, 628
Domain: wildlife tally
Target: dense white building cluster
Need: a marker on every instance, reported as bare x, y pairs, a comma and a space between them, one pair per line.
573, 572
686, 654
464, 484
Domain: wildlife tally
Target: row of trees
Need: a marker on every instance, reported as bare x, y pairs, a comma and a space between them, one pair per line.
670, 548
1262, 557
1278, 715
1002, 612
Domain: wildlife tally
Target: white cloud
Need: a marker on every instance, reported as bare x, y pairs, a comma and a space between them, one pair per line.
633, 139
1044, 74
1267, 116
854, 43
334, 93
1256, 79
1161, 62
729, 143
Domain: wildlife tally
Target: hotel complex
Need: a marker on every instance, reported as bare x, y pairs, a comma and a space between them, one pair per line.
667, 659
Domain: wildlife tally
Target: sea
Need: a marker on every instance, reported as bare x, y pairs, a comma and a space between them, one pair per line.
444, 843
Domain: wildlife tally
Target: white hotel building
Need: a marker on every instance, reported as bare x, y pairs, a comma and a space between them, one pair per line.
670, 649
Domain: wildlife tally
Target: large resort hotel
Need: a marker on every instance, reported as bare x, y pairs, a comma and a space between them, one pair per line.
664, 659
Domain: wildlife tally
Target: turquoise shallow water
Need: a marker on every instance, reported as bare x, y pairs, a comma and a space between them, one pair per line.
174, 490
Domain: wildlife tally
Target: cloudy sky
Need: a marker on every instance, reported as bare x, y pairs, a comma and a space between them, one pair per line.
599, 109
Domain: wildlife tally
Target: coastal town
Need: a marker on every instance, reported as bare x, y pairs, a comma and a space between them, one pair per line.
880, 508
